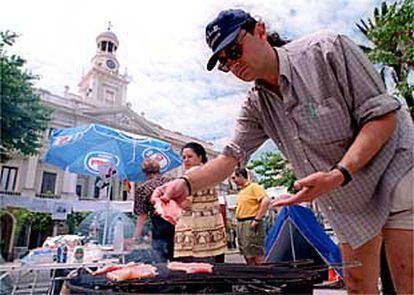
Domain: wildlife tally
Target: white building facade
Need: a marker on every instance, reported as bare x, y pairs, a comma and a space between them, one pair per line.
101, 99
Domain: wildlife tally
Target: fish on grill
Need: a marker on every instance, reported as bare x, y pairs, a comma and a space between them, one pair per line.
136, 271
107, 269
111, 267
192, 267
170, 210
280, 278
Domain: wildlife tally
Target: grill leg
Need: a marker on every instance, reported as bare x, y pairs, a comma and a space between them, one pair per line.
16, 283
36, 273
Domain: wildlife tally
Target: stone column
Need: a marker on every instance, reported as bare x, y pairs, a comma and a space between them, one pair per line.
69, 185
117, 190
55, 228
90, 186
132, 192
29, 183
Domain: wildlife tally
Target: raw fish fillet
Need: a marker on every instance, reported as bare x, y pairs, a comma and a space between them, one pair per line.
112, 267
107, 268
192, 267
170, 210
137, 271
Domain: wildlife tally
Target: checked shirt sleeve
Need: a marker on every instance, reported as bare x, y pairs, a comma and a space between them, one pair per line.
248, 134
360, 83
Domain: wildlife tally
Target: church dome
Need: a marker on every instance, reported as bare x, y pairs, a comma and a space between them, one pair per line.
107, 36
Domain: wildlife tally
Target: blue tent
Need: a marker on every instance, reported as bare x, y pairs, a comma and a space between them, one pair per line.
297, 235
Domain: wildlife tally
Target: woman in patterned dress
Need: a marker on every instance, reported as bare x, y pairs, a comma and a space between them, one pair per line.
200, 234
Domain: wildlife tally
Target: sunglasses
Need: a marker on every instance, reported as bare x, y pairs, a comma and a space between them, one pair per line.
233, 52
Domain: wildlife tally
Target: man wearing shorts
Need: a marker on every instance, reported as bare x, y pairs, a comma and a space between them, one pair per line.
252, 204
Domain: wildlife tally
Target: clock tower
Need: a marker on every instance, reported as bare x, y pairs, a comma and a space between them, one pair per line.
103, 85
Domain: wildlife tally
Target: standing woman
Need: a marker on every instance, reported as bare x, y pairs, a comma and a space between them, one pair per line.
199, 233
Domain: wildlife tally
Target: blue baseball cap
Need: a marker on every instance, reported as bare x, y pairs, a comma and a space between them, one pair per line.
223, 30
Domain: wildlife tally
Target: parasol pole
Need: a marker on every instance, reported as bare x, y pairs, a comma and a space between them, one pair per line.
108, 204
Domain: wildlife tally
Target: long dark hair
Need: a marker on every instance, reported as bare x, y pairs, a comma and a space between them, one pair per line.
198, 149
273, 38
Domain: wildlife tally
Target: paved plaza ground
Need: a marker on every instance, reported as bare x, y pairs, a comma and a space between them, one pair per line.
233, 256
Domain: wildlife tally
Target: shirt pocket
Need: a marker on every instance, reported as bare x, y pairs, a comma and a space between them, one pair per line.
325, 122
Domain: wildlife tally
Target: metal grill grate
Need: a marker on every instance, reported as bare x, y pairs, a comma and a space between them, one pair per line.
226, 278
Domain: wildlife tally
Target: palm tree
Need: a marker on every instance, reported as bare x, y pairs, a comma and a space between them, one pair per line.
391, 31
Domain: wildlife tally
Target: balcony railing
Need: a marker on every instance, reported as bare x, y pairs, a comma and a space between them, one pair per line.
48, 196
10, 193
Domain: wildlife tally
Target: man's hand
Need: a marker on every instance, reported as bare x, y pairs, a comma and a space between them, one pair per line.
130, 243
312, 187
176, 190
254, 224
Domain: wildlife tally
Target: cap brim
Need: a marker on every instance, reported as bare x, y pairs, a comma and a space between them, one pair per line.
230, 38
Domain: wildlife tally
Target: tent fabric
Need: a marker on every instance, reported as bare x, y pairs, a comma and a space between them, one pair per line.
297, 235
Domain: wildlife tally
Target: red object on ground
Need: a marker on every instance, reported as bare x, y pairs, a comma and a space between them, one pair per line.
192, 267
137, 271
332, 275
170, 210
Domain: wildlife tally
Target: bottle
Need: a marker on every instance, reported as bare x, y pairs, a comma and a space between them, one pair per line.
94, 230
62, 253
118, 241
78, 254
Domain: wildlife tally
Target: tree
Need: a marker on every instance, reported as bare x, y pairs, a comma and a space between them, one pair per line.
74, 220
274, 171
391, 31
23, 118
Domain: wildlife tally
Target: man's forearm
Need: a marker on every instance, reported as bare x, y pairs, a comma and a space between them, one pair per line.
372, 136
263, 208
212, 173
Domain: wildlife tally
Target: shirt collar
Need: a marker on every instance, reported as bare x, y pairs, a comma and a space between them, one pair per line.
284, 68
247, 183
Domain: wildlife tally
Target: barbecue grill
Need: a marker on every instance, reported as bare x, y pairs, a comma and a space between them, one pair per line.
280, 278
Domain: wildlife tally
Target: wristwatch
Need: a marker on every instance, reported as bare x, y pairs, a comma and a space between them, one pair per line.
345, 172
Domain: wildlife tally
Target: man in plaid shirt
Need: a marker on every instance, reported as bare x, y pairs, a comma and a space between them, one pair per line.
350, 144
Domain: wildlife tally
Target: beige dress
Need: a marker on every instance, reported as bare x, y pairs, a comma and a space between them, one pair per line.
200, 231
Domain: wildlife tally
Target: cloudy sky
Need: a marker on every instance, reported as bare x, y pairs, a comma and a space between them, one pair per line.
163, 49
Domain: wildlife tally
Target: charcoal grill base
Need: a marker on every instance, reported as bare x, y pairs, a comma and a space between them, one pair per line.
235, 289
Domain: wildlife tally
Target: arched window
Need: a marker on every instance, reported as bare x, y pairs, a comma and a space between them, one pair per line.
110, 46
103, 46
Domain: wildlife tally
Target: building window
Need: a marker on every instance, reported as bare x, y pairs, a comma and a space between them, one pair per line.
103, 47
109, 95
48, 183
79, 190
8, 178
96, 192
110, 46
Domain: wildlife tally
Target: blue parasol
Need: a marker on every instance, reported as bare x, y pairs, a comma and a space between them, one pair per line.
82, 150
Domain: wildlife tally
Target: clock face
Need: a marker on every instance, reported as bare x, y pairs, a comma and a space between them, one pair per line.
110, 64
